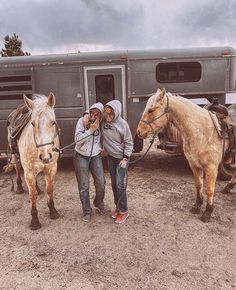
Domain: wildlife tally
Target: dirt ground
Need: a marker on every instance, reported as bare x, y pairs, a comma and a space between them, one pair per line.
161, 245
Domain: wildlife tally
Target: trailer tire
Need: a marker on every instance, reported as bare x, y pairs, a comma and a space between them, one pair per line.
138, 144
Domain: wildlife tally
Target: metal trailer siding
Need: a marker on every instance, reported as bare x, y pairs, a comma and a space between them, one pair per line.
63, 75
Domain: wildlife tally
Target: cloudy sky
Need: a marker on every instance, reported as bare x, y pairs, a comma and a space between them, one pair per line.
62, 26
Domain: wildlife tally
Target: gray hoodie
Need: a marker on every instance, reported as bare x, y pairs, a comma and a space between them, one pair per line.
116, 135
86, 138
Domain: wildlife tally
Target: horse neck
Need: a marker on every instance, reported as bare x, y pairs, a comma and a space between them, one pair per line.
186, 116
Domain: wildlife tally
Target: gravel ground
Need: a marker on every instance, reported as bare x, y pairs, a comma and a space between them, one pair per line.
161, 245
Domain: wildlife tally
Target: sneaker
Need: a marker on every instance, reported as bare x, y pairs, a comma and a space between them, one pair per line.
115, 214
121, 217
101, 211
86, 218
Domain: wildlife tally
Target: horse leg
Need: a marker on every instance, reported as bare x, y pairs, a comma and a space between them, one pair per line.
31, 183
230, 185
198, 178
17, 166
211, 175
49, 187
39, 190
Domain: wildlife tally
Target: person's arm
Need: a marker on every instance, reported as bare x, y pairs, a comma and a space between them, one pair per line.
128, 146
81, 132
128, 142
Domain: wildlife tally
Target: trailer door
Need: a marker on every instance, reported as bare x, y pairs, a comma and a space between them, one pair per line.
104, 84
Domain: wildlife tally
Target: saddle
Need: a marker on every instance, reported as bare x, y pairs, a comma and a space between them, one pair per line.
227, 121
16, 122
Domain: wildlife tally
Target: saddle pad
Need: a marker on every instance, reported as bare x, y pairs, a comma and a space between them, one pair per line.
17, 120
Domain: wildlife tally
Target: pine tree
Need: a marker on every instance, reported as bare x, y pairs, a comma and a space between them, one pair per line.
13, 46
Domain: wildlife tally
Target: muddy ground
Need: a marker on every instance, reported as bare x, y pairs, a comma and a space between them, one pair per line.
161, 245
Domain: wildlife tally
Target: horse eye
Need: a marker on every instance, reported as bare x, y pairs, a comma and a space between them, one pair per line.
33, 123
151, 111
53, 123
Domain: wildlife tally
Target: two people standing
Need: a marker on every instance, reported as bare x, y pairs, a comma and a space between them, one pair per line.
115, 136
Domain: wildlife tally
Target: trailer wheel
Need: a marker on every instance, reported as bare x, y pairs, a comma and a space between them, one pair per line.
138, 144
226, 172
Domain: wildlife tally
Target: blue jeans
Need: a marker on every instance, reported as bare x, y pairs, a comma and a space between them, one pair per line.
118, 183
83, 165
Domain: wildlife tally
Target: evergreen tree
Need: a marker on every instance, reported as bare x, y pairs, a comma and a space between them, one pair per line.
13, 46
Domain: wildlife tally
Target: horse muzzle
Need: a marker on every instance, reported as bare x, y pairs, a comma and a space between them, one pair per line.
142, 135
46, 160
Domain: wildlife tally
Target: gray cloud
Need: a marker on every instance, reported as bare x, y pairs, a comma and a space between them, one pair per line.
50, 25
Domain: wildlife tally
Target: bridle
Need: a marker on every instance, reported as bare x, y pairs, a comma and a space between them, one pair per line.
57, 133
166, 110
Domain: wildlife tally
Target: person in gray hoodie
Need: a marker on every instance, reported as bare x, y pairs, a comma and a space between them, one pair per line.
87, 158
118, 142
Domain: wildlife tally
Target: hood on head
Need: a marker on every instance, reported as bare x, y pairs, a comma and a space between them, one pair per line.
116, 106
98, 106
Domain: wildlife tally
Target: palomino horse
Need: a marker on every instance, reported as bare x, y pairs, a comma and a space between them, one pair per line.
35, 145
201, 144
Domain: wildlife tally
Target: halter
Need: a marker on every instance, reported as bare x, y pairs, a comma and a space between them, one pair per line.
166, 110
57, 133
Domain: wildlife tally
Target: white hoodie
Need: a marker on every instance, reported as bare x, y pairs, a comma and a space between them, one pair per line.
88, 142
116, 135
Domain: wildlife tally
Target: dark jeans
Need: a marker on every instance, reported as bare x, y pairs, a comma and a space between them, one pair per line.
118, 183
82, 166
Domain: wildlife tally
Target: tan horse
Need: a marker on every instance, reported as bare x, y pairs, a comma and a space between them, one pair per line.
201, 144
35, 146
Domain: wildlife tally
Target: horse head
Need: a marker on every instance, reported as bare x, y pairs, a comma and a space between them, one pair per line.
155, 115
44, 126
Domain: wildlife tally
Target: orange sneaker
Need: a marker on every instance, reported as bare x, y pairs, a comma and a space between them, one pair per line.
121, 217
115, 214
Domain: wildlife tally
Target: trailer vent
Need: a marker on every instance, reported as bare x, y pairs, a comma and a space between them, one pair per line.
13, 87
178, 72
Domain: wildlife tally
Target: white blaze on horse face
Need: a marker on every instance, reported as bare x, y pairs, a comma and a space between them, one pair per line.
44, 130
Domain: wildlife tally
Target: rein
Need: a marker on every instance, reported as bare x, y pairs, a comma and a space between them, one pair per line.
166, 110
145, 153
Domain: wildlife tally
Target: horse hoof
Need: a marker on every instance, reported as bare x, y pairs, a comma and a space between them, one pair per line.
225, 191
20, 191
35, 226
55, 215
205, 217
195, 210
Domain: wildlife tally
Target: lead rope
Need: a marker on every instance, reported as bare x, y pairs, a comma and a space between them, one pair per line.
145, 153
132, 162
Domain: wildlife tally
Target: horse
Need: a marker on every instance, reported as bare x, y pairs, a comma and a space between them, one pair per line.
202, 145
36, 145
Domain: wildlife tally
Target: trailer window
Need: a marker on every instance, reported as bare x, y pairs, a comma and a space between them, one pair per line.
13, 87
105, 88
178, 72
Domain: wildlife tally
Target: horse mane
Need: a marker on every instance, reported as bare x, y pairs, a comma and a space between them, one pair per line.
154, 98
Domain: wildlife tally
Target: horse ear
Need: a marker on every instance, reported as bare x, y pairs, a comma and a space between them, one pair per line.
28, 102
51, 100
163, 93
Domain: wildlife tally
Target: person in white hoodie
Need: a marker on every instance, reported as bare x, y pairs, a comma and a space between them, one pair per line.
118, 142
87, 159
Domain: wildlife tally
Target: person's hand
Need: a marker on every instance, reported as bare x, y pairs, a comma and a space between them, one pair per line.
95, 125
123, 163
85, 120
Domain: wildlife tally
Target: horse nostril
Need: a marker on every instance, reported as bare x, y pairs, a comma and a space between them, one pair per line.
40, 157
50, 156
46, 160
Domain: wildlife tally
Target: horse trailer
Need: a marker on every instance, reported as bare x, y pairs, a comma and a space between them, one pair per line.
80, 79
